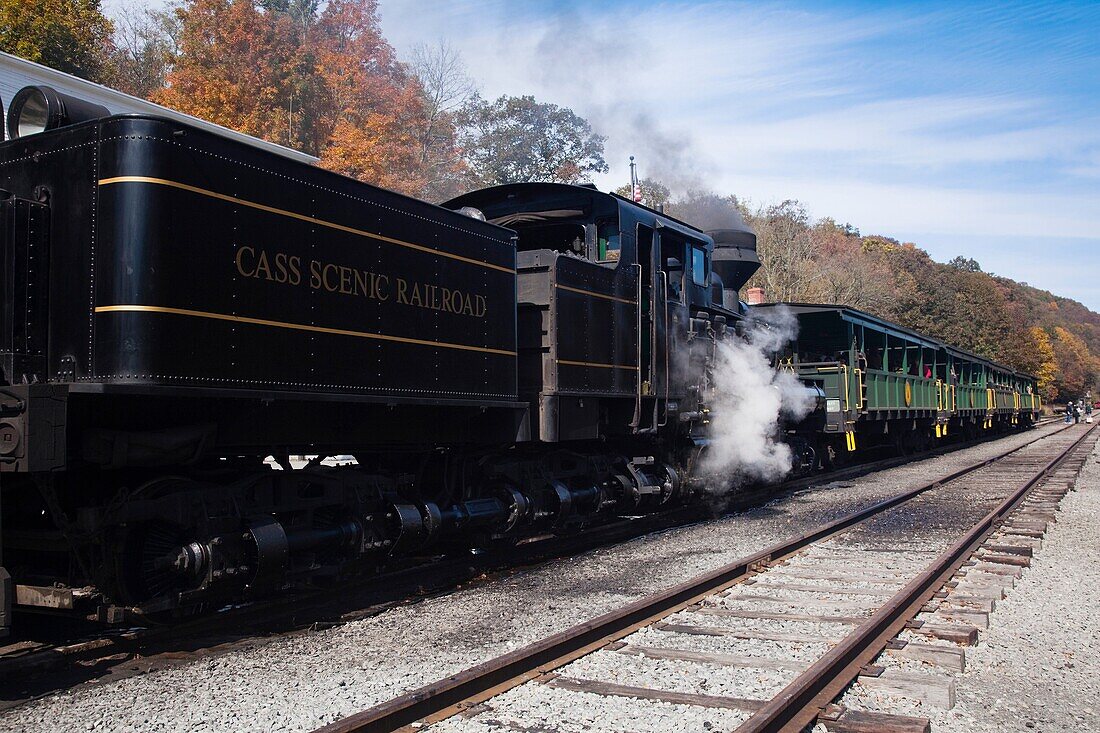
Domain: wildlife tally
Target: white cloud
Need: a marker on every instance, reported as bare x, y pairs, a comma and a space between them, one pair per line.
773, 102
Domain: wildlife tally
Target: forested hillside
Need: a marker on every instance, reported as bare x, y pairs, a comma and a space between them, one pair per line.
1054, 338
322, 78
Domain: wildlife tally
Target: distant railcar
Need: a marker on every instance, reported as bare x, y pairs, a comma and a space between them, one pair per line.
888, 385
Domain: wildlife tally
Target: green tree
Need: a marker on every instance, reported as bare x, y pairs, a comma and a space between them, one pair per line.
966, 264
68, 35
517, 139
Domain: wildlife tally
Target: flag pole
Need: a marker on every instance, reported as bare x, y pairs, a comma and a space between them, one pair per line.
635, 193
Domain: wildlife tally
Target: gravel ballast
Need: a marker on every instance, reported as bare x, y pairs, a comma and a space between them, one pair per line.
301, 681
1037, 666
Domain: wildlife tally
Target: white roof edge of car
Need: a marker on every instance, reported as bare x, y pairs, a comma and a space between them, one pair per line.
25, 73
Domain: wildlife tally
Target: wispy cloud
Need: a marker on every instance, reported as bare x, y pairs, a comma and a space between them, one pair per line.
961, 121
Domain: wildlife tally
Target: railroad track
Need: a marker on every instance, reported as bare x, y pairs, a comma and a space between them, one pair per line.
40, 667
942, 552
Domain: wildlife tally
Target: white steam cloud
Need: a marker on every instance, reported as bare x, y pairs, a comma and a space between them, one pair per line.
749, 401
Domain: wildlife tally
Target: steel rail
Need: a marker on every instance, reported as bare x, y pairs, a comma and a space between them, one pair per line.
799, 703
443, 698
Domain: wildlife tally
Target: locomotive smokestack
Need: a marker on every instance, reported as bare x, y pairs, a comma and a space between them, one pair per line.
735, 258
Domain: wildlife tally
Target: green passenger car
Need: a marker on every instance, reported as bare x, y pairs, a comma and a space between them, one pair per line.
886, 384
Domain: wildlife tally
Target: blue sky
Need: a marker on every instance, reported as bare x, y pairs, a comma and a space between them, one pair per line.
968, 128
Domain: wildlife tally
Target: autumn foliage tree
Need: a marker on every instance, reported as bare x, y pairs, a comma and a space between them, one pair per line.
323, 82
1039, 359
371, 105
69, 35
1078, 368
236, 67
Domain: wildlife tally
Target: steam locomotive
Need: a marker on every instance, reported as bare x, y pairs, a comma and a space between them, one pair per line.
182, 313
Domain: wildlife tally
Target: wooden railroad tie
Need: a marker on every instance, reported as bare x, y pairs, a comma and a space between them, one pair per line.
1003, 549
974, 589
1017, 560
929, 689
1022, 532
843, 590
870, 576
950, 658
838, 719
777, 616
979, 619
712, 658
965, 635
611, 689
744, 634
816, 602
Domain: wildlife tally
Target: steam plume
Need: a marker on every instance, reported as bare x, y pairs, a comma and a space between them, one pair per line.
749, 402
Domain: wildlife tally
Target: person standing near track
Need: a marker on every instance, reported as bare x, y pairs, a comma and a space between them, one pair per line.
1069, 412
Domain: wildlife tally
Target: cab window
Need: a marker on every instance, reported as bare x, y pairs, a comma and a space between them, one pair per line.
699, 266
607, 241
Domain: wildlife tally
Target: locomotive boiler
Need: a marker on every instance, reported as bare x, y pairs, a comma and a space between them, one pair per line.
182, 313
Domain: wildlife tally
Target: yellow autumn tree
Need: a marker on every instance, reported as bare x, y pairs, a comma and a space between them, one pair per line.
1078, 369
1038, 359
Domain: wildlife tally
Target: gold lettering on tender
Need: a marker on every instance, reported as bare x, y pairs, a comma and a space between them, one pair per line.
324, 276
295, 270
281, 272
240, 258
284, 268
361, 282
262, 267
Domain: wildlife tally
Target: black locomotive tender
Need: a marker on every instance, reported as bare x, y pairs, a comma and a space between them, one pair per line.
178, 306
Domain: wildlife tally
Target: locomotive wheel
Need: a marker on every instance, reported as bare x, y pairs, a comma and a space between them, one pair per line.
145, 569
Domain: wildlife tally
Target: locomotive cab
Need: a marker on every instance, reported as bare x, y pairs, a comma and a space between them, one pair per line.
640, 282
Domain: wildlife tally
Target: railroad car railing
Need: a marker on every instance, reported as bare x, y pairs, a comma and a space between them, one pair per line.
893, 391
